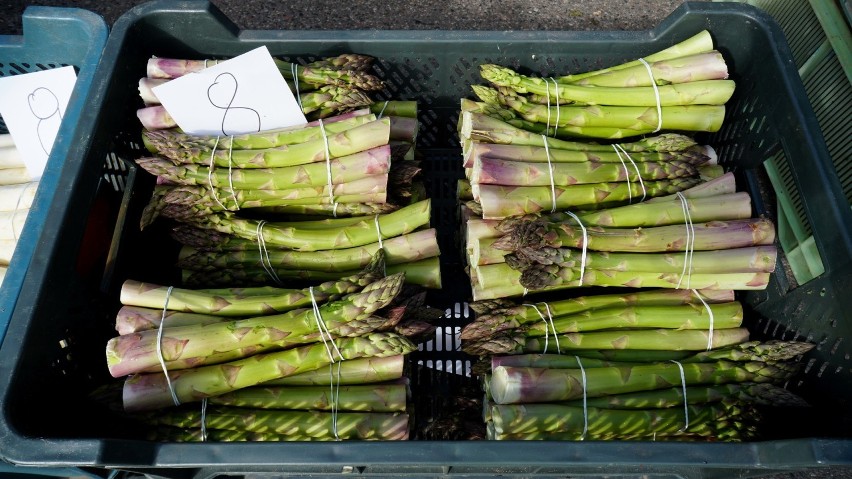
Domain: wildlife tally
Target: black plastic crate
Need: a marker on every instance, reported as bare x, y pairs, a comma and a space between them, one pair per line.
62, 323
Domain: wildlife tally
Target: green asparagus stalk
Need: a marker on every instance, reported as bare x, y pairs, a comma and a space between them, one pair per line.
367, 398
402, 221
521, 173
510, 385
681, 317
132, 319
246, 301
338, 209
535, 418
398, 250
696, 92
758, 259
500, 201
765, 394
315, 424
400, 108
367, 370
712, 235
345, 61
480, 127
425, 272
683, 69
650, 339
349, 316
697, 155
348, 142
375, 161
150, 391
698, 43
176, 139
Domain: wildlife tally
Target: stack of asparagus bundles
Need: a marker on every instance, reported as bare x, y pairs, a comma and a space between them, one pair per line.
650, 365
306, 203
520, 139
265, 363
17, 191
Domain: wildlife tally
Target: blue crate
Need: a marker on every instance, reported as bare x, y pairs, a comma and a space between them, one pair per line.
53, 37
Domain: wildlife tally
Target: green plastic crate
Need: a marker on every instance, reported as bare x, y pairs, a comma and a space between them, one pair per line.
63, 322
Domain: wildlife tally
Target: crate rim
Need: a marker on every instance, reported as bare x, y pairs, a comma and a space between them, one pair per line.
114, 453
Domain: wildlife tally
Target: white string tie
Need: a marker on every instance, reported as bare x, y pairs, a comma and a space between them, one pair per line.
547, 97
210, 175
556, 86
689, 247
547, 319
638, 174
626, 175
334, 385
325, 334
379, 232
160, 357
327, 163
17, 208
526, 292
656, 95
294, 70
550, 170
334, 209
265, 261
585, 245
685, 402
383, 110
204, 420
712, 320
231, 174
585, 399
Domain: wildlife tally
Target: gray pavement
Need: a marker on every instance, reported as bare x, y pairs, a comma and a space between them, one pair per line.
423, 15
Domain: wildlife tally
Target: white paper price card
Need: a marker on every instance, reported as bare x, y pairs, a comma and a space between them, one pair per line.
245, 94
33, 105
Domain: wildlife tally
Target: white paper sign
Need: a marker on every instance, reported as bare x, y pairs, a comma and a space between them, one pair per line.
32, 105
245, 94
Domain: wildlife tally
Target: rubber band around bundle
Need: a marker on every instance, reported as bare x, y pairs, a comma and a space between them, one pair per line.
159, 347
210, 175
685, 401
689, 247
381, 113
712, 320
656, 94
327, 163
265, 261
294, 70
585, 399
635, 167
585, 245
204, 420
550, 170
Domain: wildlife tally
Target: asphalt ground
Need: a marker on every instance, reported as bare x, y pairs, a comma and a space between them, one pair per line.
419, 15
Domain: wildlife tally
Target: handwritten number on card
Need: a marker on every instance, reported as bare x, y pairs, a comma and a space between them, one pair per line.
45, 106
221, 94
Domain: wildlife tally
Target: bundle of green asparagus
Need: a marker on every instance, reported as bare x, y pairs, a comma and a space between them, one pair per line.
702, 238
242, 202
323, 88
716, 395
316, 364
681, 88
17, 191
